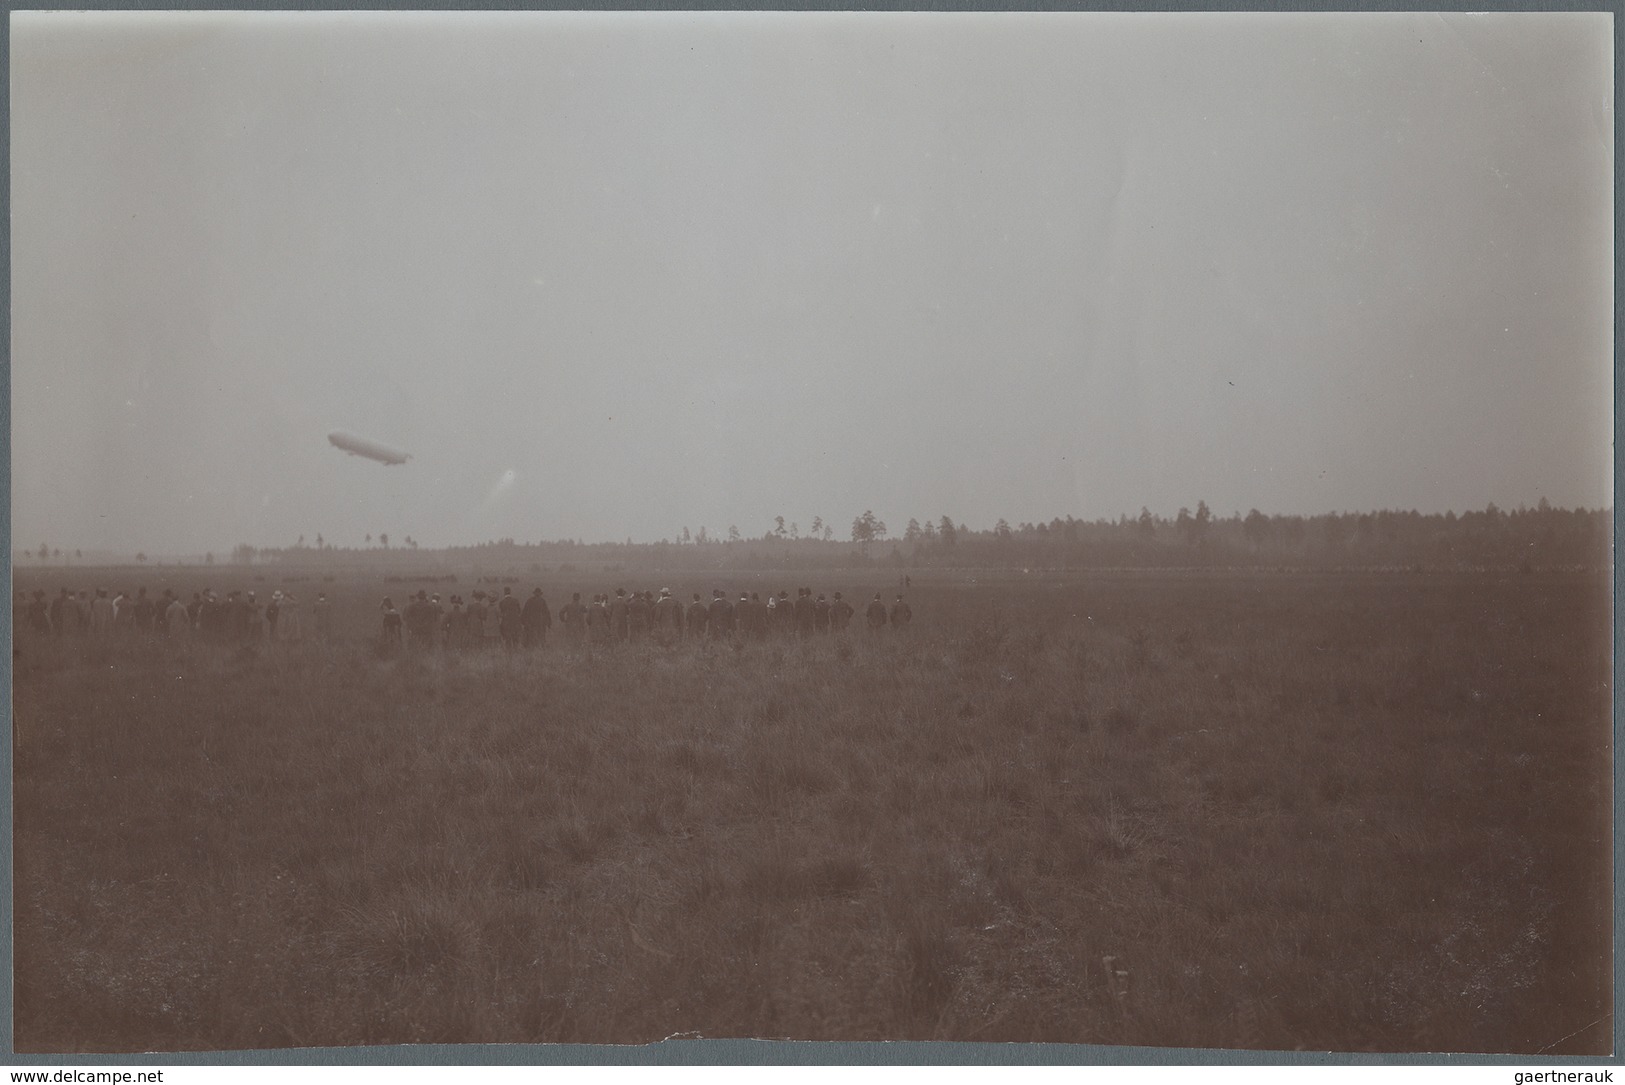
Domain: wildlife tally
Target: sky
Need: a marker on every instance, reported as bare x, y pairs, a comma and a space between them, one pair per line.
611, 275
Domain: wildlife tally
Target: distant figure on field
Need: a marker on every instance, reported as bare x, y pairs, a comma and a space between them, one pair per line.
273, 614
620, 615
39, 613
721, 615
804, 612
142, 612
321, 611
840, 614
512, 618
537, 618
668, 615
698, 617
454, 627
61, 606
573, 616
821, 614
392, 624
876, 614
292, 630
180, 624
639, 611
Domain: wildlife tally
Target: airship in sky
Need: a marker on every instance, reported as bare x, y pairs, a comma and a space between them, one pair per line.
372, 450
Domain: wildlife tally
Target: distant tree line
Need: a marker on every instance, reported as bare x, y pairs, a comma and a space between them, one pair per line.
1542, 536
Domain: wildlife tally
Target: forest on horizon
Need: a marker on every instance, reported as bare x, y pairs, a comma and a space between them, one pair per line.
1527, 538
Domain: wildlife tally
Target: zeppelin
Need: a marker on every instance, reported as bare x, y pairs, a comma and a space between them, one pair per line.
372, 450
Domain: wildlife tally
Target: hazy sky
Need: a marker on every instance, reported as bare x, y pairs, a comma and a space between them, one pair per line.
706, 269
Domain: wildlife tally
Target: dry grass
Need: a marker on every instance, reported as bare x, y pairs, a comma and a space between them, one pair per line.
1324, 813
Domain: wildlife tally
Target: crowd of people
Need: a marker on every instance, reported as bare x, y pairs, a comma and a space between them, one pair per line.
426, 621
238, 617
487, 618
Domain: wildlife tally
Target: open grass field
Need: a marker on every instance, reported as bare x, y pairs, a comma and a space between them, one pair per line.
1354, 812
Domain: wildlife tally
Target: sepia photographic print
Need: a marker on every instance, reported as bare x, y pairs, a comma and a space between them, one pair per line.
595, 527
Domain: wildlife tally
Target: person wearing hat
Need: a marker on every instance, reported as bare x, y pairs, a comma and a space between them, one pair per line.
721, 616
786, 614
840, 613
392, 624
511, 614
250, 619
821, 614
639, 612
804, 612
537, 619
668, 616
620, 615
876, 614
698, 617
900, 614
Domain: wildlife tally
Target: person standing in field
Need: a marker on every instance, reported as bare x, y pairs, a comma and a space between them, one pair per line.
82, 604
876, 614
273, 614
392, 624
821, 614
698, 617
536, 618
60, 606
160, 613
101, 614
180, 623
412, 616
721, 616
619, 615
292, 631
512, 621
437, 621
638, 613
840, 613
573, 617
786, 615
668, 616
321, 611
141, 612
39, 613
454, 626
804, 612
900, 614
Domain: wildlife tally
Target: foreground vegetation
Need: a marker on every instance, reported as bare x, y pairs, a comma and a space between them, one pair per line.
1352, 813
